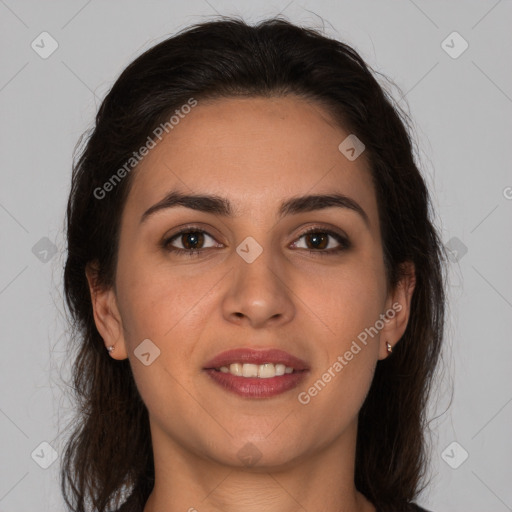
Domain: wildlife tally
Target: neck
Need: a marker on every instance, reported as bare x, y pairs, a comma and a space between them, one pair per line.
324, 481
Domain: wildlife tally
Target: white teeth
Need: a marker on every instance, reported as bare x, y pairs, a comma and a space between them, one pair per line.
280, 369
250, 370
235, 369
266, 371
263, 371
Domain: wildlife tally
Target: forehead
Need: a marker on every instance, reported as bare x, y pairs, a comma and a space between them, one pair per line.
254, 151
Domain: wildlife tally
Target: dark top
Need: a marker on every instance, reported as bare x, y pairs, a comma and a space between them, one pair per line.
134, 504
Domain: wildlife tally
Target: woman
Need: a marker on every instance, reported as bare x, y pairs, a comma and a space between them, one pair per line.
255, 281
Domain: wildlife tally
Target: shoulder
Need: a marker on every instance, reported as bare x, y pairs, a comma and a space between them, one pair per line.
133, 504
409, 507
417, 508
412, 507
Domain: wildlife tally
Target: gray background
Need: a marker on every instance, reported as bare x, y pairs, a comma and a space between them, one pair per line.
460, 107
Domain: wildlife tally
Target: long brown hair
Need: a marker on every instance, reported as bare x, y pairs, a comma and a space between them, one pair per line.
110, 451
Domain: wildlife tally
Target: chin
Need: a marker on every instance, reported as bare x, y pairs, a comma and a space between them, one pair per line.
257, 453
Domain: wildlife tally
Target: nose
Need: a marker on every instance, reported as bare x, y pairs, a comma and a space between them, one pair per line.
259, 294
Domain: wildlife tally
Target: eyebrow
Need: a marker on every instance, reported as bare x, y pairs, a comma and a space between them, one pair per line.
221, 206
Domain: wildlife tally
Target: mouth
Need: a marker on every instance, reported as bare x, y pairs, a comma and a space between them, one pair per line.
256, 373
261, 371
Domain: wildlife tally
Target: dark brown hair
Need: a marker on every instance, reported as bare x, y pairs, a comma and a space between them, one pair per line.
110, 452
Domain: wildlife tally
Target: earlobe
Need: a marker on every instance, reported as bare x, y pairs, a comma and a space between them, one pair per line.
106, 315
398, 310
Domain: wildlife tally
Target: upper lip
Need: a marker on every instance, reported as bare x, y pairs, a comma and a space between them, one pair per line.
252, 356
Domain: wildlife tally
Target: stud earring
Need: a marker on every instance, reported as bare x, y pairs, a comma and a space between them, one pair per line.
110, 348
388, 347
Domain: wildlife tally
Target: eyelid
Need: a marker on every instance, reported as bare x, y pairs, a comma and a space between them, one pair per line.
186, 228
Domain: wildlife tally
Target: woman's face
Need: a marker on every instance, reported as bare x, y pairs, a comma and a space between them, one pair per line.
257, 280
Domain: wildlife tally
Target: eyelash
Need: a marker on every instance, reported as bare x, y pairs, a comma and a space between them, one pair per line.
344, 242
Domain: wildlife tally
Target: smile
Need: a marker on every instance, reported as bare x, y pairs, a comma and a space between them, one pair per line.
262, 371
251, 373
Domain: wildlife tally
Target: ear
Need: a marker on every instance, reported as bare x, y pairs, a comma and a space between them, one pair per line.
398, 309
106, 314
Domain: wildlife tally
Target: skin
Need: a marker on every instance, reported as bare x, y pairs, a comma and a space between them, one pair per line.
255, 152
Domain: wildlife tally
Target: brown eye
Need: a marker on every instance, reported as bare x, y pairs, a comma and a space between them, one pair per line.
191, 240
319, 241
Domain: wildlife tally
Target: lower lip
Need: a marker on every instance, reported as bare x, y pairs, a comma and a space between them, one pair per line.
254, 387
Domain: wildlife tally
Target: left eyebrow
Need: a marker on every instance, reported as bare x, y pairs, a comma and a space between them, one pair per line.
221, 206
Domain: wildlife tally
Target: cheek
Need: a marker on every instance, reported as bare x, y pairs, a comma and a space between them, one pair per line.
345, 364
155, 298
347, 300
164, 307
349, 304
